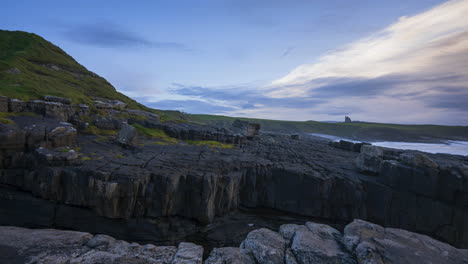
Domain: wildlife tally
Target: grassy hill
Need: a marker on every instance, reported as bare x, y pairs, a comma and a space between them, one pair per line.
45, 69
354, 130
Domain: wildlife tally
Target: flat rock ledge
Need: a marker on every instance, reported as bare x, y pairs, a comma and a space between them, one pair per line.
360, 243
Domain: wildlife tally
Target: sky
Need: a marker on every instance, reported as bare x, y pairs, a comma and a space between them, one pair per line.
401, 61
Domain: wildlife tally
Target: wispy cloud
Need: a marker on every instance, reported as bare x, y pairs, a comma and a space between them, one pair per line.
413, 71
106, 34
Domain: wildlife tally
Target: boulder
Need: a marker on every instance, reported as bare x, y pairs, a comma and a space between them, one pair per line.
188, 253
369, 160
246, 128
265, 246
229, 255
418, 160
372, 243
55, 99
3, 104
16, 106
319, 244
107, 123
62, 135
128, 136
37, 106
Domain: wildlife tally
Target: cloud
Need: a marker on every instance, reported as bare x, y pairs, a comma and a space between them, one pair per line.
287, 51
414, 64
105, 34
413, 71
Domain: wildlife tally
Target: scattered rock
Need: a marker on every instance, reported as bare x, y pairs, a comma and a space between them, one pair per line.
369, 160
265, 246
128, 136
418, 160
13, 71
50, 98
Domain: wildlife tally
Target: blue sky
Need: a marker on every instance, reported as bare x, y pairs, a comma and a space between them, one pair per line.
385, 61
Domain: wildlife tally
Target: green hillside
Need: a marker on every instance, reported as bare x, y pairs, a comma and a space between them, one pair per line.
45, 69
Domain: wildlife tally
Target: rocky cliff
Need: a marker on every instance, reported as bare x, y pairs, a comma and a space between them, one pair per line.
177, 178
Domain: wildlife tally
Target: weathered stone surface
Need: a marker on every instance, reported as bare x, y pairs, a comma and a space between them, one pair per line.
43, 246
109, 104
59, 111
369, 160
375, 244
265, 246
63, 135
16, 106
246, 128
188, 253
229, 255
56, 99
128, 136
107, 123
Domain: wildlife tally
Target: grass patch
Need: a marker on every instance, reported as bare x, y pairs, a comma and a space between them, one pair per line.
93, 130
210, 143
154, 133
5, 120
85, 158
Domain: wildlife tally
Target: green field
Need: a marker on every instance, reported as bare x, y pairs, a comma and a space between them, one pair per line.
354, 130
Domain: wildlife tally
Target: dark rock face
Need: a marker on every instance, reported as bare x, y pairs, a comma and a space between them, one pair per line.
246, 128
361, 243
146, 187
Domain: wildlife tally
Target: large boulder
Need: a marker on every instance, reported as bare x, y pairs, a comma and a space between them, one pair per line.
265, 246
418, 160
369, 160
188, 253
319, 244
128, 136
62, 135
37, 106
372, 243
107, 123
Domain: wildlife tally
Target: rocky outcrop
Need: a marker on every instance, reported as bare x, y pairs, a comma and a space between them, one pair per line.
55, 99
370, 159
348, 145
128, 136
20, 245
360, 243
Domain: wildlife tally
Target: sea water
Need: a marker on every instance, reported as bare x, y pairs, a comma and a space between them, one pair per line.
449, 146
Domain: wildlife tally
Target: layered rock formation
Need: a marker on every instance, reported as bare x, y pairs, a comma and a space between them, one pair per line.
54, 176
